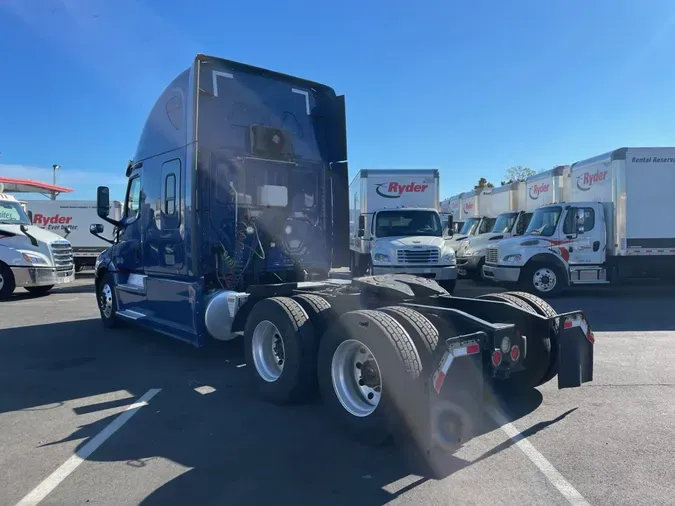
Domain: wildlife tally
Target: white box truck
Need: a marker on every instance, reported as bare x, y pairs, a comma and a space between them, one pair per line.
508, 204
616, 225
397, 227
475, 213
547, 187
30, 258
450, 207
71, 220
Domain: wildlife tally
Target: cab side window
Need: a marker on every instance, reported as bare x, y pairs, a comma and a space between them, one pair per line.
133, 203
588, 222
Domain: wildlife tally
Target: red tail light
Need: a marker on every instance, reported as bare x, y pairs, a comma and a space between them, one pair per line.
515, 353
496, 358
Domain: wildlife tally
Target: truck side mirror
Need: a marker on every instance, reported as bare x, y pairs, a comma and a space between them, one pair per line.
30, 216
96, 229
580, 219
103, 201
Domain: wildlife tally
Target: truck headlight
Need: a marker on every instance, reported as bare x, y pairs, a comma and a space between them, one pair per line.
449, 256
470, 252
34, 259
380, 257
513, 258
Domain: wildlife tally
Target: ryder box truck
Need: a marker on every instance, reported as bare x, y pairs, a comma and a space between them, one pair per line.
398, 227
617, 224
71, 220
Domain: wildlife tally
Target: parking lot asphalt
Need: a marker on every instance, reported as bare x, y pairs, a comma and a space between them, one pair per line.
204, 437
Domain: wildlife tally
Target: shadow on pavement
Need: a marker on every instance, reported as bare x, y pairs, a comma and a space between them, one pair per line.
238, 449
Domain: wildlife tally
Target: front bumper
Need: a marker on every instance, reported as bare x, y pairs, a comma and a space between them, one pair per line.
501, 274
468, 264
41, 276
446, 273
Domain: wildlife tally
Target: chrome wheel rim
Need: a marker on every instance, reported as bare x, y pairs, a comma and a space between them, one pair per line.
544, 279
2, 281
356, 376
269, 353
105, 301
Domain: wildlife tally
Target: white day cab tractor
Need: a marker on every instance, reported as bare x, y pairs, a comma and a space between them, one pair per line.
222, 227
30, 257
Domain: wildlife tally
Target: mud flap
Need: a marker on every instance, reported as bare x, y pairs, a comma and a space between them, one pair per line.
575, 350
455, 392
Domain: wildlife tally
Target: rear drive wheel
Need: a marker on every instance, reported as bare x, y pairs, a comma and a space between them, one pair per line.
107, 302
544, 280
319, 311
280, 349
368, 368
7, 284
538, 357
543, 308
39, 290
419, 328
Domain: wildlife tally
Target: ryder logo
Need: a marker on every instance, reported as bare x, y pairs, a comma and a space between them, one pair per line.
41, 219
468, 207
538, 189
588, 179
393, 190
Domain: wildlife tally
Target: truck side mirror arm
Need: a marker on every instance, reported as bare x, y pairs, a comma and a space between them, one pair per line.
96, 230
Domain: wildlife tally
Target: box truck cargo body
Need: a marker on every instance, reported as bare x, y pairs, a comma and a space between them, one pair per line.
71, 220
475, 215
397, 226
616, 225
547, 187
508, 204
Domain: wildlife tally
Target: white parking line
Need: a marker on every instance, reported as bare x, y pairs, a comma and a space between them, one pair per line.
54, 479
550, 473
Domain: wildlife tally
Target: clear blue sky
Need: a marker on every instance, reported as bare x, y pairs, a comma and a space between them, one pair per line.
468, 87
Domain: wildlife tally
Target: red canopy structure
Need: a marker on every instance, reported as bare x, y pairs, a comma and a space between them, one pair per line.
13, 185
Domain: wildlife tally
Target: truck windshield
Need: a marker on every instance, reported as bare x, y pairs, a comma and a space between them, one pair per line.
469, 226
504, 223
407, 223
544, 221
11, 213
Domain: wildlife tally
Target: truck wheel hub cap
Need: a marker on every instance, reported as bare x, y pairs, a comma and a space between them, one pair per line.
105, 301
544, 279
356, 378
268, 349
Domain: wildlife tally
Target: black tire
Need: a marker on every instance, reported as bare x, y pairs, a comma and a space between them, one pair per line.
477, 275
527, 279
400, 369
543, 308
297, 378
107, 302
448, 285
318, 310
7, 283
39, 290
419, 328
538, 358
510, 299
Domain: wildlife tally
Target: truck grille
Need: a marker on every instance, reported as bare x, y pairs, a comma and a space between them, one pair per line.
62, 253
492, 255
417, 256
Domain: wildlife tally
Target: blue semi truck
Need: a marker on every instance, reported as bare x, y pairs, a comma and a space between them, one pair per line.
237, 208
